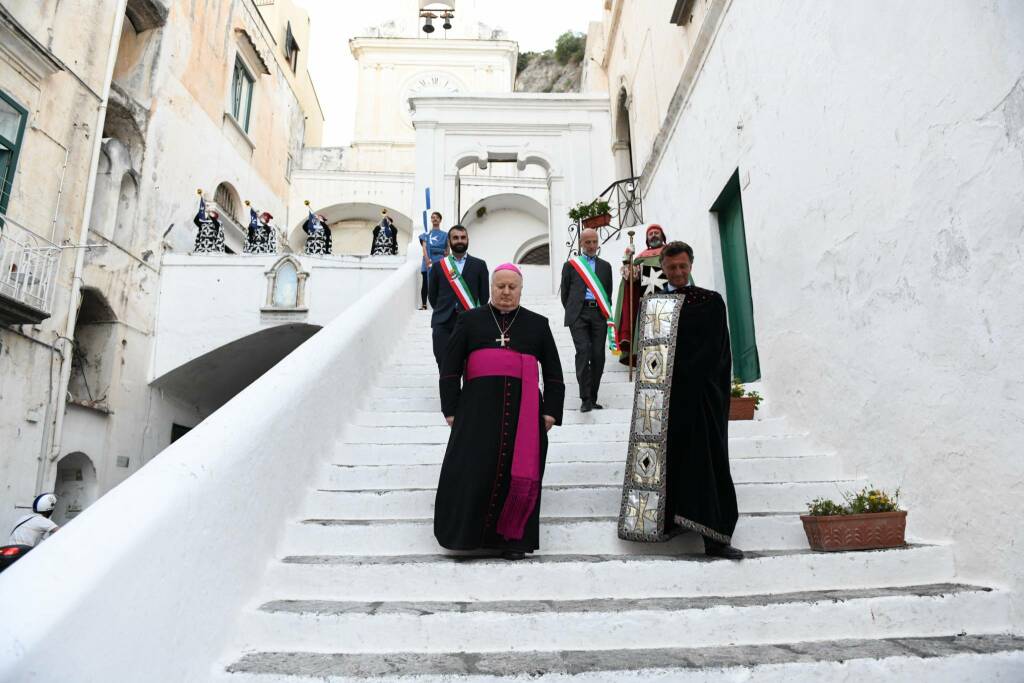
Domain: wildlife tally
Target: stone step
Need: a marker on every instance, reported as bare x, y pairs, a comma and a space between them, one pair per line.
390, 379
776, 470
430, 418
353, 452
940, 659
585, 428
429, 390
587, 577
433, 626
558, 535
574, 500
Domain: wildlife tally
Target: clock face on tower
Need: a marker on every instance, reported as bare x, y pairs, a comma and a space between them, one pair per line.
427, 83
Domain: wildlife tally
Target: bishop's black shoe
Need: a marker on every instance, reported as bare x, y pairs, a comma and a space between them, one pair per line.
586, 407
723, 550
513, 555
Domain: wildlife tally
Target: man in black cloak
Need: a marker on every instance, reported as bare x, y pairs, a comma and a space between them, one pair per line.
677, 468
488, 495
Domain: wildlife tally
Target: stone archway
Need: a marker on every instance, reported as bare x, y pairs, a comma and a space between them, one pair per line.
499, 224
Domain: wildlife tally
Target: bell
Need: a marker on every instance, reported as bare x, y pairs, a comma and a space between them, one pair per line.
428, 27
447, 21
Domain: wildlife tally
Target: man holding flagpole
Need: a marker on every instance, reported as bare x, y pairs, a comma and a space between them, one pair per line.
586, 296
456, 284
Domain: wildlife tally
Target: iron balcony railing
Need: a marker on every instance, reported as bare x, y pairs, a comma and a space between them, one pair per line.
626, 208
28, 274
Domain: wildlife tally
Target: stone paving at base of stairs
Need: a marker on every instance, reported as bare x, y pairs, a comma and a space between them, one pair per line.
329, 607
309, 664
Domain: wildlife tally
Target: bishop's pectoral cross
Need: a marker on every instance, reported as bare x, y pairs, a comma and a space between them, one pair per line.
503, 340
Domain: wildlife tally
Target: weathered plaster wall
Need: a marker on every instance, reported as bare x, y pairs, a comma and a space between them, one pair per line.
60, 124
883, 189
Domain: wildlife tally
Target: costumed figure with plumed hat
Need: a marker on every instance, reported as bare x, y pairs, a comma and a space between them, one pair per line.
261, 237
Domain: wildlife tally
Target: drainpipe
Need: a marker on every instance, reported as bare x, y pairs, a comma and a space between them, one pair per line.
83, 237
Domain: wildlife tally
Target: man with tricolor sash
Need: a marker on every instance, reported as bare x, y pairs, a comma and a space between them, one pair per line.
456, 284
586, 296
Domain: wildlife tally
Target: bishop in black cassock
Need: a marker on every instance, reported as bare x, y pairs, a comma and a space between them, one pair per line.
677, 469
485, 498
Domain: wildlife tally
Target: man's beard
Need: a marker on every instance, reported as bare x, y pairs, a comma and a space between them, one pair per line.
654, 242
460, 249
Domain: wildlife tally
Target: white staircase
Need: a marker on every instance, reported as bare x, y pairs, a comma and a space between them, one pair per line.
361, 591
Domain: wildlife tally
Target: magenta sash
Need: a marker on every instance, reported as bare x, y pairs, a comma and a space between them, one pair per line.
524, 489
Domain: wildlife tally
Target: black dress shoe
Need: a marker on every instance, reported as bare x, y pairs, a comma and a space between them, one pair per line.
586, 407
513, 555
596, 406
723, 550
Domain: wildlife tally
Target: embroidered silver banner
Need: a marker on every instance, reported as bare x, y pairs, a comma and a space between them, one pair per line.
642, 515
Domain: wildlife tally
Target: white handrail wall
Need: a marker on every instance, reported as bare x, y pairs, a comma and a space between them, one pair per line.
149, 580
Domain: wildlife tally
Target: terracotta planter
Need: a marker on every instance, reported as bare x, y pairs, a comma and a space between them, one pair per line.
856, 532
597, 221
741, 408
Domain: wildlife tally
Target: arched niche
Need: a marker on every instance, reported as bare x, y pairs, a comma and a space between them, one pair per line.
76, 487
622, 148
94, 352
351, 226
286, 285
126, 217
229, 203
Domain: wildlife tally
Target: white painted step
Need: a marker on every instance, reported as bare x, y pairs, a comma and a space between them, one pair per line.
429, 418
590, 536
426, 626
419, 503
744, 470
586, 577
354, 452
944, 659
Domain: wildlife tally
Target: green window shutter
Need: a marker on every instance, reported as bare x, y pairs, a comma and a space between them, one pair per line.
729, 206
12, 131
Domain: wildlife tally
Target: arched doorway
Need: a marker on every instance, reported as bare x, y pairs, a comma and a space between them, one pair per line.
501, 223
76, 487
622, 148
352, 226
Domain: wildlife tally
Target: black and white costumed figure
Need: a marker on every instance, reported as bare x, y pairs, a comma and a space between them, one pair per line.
210, 233
677, 476
488, 495
261, 238
385, 238
318, 235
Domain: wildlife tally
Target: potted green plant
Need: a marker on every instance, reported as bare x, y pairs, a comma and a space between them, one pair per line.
870, 519
594, 214
742, 403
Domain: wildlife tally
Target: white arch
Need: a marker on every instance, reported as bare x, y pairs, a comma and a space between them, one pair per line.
515, 201
529, 245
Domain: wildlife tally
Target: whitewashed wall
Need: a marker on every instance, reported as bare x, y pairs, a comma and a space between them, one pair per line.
208, 301
193, 527
882, 164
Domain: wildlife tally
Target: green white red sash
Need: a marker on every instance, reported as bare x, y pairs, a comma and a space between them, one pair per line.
590, 279
458, 284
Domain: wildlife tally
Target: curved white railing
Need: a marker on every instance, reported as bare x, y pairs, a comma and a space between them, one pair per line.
147, 582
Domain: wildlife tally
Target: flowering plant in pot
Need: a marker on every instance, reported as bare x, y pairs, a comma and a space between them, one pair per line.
742, 403
593, 214
870, 519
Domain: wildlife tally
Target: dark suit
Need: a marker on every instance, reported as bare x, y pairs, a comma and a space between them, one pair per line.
446, 305
589, 328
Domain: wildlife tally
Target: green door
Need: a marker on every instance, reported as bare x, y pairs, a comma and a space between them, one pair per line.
729, 207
